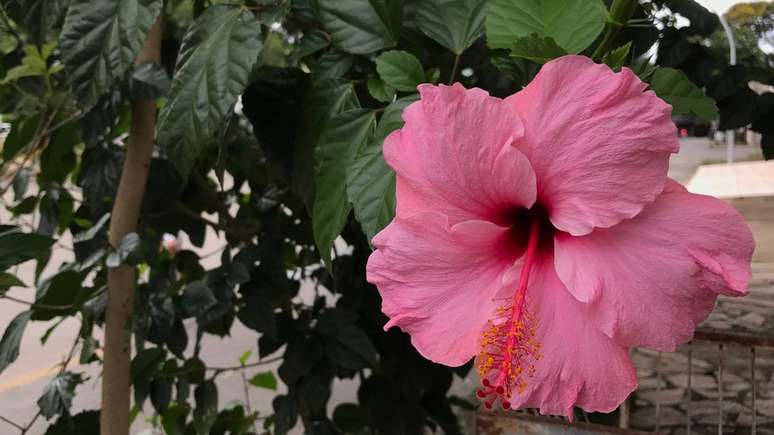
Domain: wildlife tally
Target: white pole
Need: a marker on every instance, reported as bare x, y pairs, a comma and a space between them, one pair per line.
732, 57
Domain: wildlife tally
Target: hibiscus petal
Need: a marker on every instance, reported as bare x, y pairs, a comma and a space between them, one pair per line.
650, 280
454, 155
437, 282
598, 144
580, 366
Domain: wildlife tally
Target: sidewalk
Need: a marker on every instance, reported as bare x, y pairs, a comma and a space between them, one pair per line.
662, 398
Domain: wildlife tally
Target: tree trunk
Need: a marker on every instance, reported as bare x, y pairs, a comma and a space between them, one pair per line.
116, 383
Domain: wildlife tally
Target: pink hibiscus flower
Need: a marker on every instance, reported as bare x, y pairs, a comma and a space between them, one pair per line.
541, 235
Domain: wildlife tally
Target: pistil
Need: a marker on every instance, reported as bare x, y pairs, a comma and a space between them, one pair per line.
509, 350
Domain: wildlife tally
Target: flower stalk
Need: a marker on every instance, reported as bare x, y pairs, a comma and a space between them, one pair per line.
620, 13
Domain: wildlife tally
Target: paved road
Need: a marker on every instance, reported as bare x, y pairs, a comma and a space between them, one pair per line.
22, 383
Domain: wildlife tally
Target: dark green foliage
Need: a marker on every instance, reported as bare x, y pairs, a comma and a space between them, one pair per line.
100, 41
17, 247
454, 24
215, 59
536, 48
11, 341
58, 395
83, 423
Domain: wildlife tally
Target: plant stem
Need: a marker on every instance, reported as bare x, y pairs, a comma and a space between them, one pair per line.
454, 69
620, 13
246, 392
116, 387
245, 366
38, 306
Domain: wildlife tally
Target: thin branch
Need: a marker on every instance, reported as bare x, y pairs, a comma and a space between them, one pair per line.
12, 423
46, 306
242, 233
219, 370
246, 392
245, 366
39, 138
38, 306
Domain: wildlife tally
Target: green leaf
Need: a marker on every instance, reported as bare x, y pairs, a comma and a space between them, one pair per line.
161, 393
455, 24
7, 281
362, 27
346, 344
537, 48
59, 159
38, 17
206, 410
674, 87
333, 64
644, 70
301, 355
9, 344
370, 182
245, 356
264, 380
88, 351
217, 54
344, 136
311, 43
285, 414
195, 370
146, 363
58, 395
400, 70
149, 81
573, 24
89, 234
26, 206
380, 90
21, 182
129, 251
322, 101
197, 298
350, 417
61, 290
275, 12
174, 417
615, 59
83, 423
22, 133
99, 175
100, 41
17, 247
33, 65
